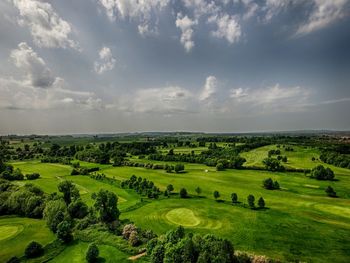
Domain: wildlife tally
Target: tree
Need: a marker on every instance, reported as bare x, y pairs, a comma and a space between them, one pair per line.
321, 173
179, 168
92, 253
78, 209
106, 204
330, 191
261, 203
251, 200
270, 185
273, 165
32, 176
234, 198
54, 213
69, 190
220, 167
134, 238
33, 250
64, 231
183, 193
198, 190
170, 188
216, 194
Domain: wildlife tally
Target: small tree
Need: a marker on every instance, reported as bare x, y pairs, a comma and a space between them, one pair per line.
33, 250
170, 188
183, 193
251, 200
64, 231
216, 194
198, 190
234, 198
133, 238
330, 191
220, 167
179, 168
78, 209
69, 190
106, 203
92, 253
261, 203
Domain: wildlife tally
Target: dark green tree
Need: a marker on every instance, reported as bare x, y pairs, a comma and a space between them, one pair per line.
92, 253
261, 203
198, 190
69, 190
183, 193
251, 200
216, 194
33, 250
106, 204
234, 198
330, 191
64, 231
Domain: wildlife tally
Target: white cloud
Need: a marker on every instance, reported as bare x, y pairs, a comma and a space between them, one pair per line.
209, 89
47, 28
274, 98
186, 24
202, 7
137, 10
325, 12
238, 93
227, 28
106, 61
39, 89
37, 73
167, 100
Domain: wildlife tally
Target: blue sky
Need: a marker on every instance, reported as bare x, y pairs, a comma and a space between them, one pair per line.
91, 66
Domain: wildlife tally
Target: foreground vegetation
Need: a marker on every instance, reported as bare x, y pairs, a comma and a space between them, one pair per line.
219, 179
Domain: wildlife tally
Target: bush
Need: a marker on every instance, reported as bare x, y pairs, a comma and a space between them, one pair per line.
321, 173
183, 193
134, 239
32, 176
33, 250
270, 185
78, 209
14, 260
179, 168
64, 231
330, 192
92, 253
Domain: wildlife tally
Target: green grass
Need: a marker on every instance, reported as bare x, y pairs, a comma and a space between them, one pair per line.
301, 222
16, 233
76, 254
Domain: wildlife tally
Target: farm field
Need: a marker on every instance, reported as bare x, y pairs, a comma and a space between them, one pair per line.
300, 221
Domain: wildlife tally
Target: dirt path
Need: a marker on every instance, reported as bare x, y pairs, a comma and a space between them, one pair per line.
137, 256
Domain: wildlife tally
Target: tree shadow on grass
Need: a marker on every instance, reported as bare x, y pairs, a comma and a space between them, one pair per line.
100, 260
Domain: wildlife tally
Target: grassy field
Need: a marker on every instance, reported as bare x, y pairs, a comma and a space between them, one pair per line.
76, 254
301, 222
17, 232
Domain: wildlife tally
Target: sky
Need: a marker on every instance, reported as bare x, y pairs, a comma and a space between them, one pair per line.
109, 66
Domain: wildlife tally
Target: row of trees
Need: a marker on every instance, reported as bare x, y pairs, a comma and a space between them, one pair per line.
335, 158
142, 186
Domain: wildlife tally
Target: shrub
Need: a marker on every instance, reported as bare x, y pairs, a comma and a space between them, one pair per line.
270, 185
179, 168
33, 250
64, 231
183, 193
14, 260
330, 192
78, 209
92, 253
321, 173
133, 238
32, 176
128, 229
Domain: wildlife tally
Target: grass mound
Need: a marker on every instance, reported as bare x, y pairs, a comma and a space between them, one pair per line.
183, 217
9, 231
